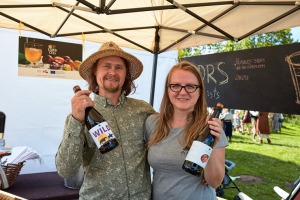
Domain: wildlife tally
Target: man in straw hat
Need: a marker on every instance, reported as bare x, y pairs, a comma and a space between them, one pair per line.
122, 173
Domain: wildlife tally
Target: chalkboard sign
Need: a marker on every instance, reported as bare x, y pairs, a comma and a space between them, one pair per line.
263, 79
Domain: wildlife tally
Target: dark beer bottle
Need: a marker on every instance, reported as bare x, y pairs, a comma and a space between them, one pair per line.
200, 150
99, 129
2, 124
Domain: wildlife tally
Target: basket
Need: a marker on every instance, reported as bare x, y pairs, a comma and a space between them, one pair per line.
11, 171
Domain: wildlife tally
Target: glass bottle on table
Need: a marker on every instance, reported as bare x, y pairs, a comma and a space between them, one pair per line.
2, 124
99, 129
199, 153
2, 141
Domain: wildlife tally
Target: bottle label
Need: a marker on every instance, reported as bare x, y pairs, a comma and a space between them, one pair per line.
101, 133
199, 153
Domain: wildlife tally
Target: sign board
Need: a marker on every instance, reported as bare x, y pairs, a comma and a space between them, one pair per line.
50, 59
263, 79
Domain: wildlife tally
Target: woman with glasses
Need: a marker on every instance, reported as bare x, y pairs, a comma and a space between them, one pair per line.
183, 114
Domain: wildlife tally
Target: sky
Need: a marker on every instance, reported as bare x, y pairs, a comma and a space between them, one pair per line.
296, 33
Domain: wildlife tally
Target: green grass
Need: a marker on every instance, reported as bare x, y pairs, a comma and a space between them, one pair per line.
278, 163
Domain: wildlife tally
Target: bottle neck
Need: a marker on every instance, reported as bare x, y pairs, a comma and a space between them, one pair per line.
206, 130
216, 113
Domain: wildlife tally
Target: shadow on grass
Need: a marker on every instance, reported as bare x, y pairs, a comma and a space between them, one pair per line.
238, 138
273, 171
283, 133
289, 128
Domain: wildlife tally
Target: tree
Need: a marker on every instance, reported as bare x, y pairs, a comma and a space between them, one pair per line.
255, 41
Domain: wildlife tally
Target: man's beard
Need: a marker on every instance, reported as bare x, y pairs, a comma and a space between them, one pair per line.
110, 87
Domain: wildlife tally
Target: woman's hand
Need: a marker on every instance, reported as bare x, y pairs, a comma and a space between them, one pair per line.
79, 103
215, 125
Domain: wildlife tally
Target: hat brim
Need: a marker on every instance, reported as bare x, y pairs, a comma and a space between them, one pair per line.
135, 65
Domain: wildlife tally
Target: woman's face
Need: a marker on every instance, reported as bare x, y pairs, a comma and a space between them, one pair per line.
183, 101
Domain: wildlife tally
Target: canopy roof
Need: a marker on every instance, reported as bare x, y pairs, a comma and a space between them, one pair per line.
152, 25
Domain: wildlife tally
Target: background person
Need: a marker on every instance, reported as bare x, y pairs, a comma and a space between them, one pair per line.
237, 121
263, 127
270, 116
227, 118
122, 173
280, 120
183, 113
254, 116
275, 126
246, 121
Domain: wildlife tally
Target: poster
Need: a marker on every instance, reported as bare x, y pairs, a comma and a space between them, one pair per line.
49, 59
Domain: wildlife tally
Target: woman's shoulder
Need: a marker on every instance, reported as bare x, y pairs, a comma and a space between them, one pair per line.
151, 122
152, 119
150, 125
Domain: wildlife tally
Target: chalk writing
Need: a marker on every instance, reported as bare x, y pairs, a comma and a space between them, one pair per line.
214, 94
253, 63
210, 72
241, 77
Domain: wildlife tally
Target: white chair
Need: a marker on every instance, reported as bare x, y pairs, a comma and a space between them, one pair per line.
243, 196
294, 195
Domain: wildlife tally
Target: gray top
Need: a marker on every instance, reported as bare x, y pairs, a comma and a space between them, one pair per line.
170, 181
122, 173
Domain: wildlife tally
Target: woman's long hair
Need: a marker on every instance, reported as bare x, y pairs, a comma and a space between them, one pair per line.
196, 119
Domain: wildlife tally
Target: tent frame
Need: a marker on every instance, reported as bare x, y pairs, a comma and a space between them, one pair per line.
106, 9
102, 9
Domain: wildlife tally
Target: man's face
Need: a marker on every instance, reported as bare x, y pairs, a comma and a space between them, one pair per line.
110, 74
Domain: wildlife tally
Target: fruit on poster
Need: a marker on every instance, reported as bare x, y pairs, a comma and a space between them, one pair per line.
61, 63
77, 64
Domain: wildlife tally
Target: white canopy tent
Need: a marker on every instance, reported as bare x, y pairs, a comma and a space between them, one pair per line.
152, 25
136, 24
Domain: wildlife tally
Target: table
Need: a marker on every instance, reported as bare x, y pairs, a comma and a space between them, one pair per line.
38, 186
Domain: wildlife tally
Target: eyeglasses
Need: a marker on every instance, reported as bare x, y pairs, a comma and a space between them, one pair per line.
188, 88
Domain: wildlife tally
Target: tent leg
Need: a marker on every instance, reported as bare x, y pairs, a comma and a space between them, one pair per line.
156, 49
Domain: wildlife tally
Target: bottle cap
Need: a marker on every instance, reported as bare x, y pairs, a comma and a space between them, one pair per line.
220, 105
76, 88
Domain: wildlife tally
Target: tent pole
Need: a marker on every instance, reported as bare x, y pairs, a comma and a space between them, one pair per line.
154, 68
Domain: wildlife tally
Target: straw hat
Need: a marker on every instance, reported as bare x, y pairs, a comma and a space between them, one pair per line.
110, 49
